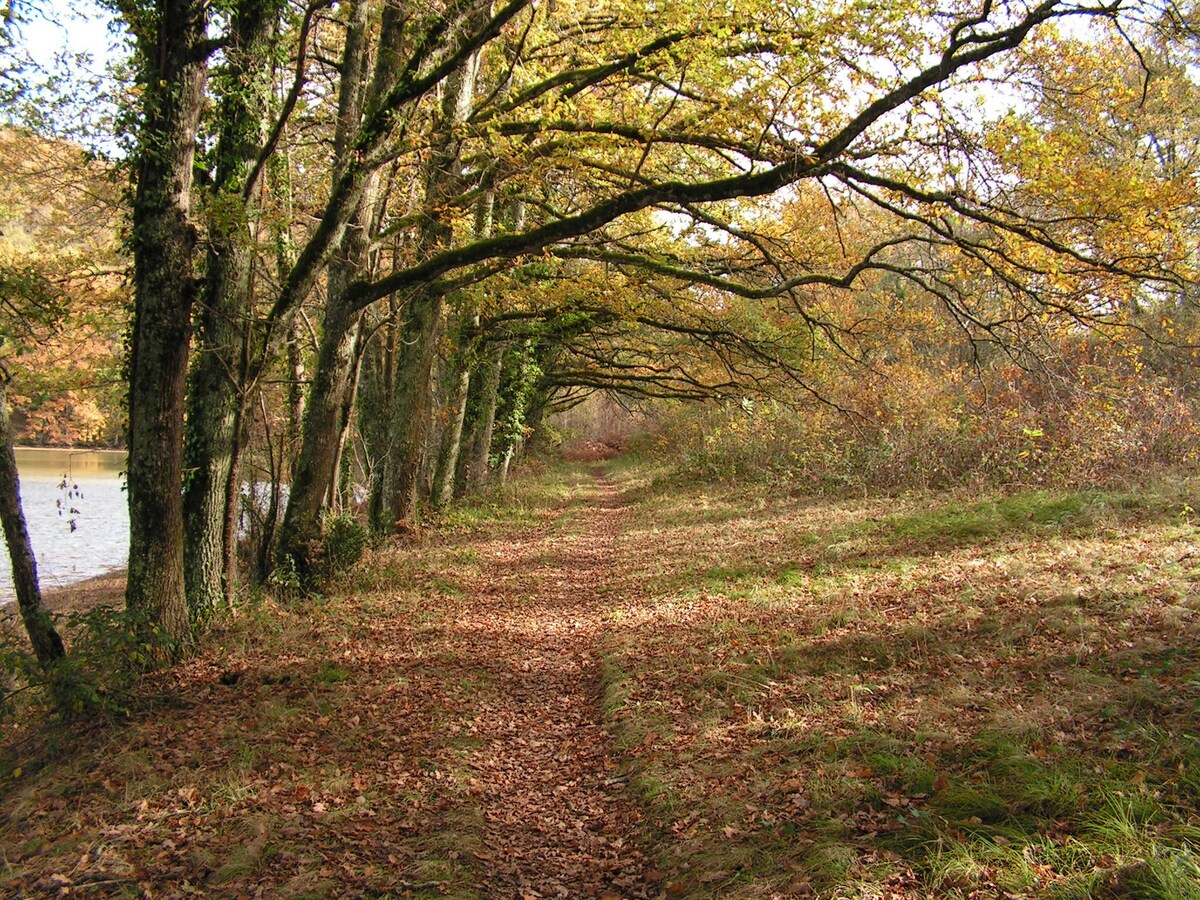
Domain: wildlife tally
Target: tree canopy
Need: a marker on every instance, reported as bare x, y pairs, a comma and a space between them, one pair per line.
375, 242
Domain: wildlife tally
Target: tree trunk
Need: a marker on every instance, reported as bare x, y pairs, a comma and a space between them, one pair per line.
463, 363
456, 411
422, 327
276, 463
281, 466
174, 70
47, 645
213, 401
329, 395
280, 184
333, 498
375, 401
473, 466
295, 394
410, 405
320, 440
217, 388
233, 509
517, 388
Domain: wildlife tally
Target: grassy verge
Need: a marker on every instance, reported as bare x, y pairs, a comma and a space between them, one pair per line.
942, 696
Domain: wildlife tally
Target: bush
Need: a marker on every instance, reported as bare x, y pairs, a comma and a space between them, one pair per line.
343, 541
285, 582
108, 649
1095, 416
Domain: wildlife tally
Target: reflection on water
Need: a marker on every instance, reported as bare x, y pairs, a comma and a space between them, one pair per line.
77, 531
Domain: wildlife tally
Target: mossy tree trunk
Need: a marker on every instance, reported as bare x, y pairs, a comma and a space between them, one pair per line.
458, 388
411, 398
172, 50
217, 389
473, 468
517, 386
417, 350
330, 394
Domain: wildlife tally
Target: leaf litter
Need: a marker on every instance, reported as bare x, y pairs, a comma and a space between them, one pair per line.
436, 732
625, 690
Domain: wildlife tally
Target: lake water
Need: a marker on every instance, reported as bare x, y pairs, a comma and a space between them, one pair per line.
78, 531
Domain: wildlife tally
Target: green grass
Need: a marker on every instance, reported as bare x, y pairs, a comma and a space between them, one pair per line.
967, 696
330, 673
520, 503
1035, 512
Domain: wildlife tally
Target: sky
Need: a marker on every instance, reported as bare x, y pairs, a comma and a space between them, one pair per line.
67, 95
68, 26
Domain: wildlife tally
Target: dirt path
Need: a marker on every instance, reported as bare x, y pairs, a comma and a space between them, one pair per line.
556, 822
434, 729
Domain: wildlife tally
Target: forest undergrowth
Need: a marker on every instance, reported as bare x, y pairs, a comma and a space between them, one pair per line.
605, 681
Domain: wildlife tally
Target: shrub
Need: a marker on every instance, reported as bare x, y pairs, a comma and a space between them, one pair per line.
1096, 415
344, 540
108, 649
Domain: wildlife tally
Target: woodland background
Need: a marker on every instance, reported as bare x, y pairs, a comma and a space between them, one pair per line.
349, 259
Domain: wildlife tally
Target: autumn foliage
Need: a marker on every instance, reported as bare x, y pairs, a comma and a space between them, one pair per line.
1093, 413
60, 219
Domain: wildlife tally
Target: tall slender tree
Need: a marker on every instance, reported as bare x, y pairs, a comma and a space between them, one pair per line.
172, 47
218, 385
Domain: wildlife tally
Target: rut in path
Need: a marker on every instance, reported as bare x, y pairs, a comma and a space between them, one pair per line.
555, 820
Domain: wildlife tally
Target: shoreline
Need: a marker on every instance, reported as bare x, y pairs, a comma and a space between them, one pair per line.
69, 449
107, 588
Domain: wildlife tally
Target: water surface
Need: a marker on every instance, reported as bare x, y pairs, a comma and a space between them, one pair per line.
77, 514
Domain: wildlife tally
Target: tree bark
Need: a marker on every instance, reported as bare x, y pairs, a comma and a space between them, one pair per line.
320, 440
375, 402
464, 362
410, 404
485, 382
516, 390
174, 61
337, 356
47, 644
333, 497
422, 327
459, 388
217, 387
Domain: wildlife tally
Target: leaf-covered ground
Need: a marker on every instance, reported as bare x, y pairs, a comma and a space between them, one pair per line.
991, 697
601, 685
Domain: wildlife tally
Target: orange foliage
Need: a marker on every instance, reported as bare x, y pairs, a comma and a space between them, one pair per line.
1095, 413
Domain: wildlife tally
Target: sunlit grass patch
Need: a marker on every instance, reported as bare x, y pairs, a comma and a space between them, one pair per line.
938, 698
523, 501
1039, 513
478, 513
1119, 848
